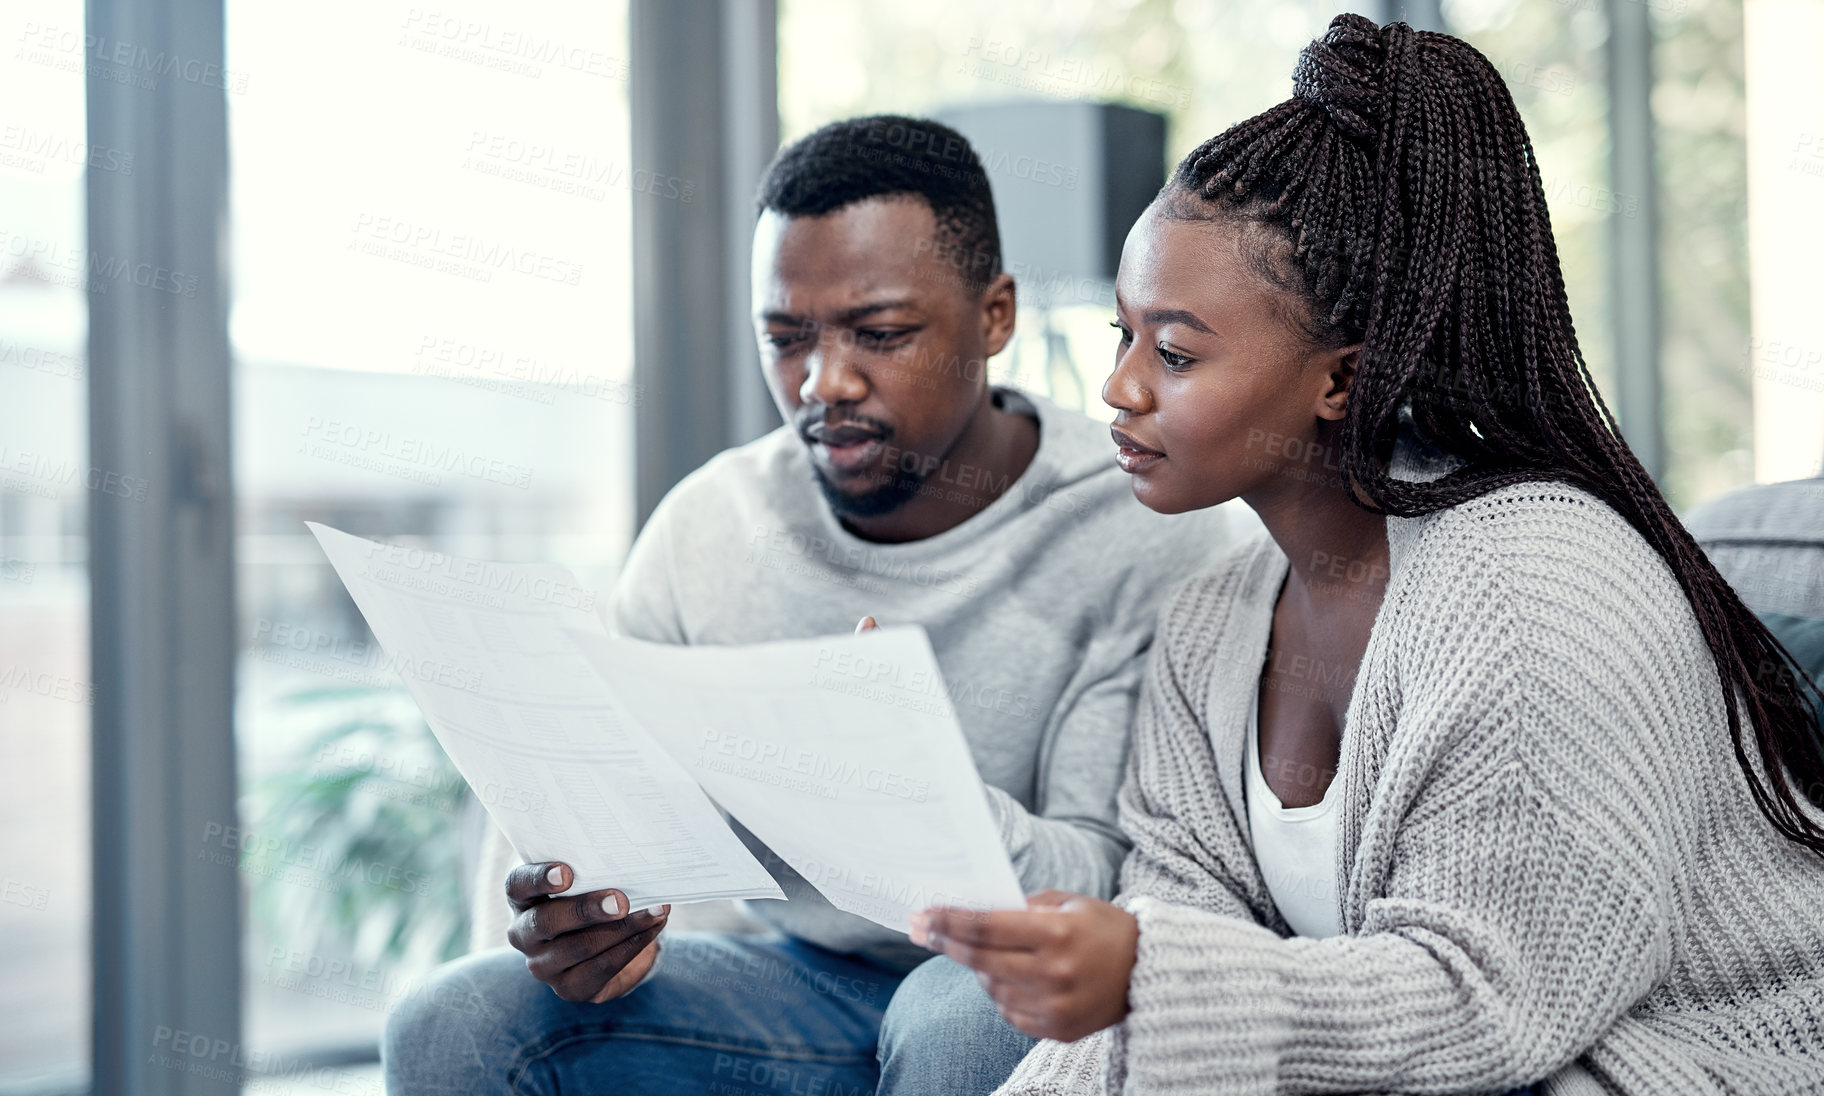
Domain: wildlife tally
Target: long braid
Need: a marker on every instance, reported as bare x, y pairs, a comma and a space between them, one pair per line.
1404, 180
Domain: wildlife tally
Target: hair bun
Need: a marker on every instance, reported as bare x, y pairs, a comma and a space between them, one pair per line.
1343, 73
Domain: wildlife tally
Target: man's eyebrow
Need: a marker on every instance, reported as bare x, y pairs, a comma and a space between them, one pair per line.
1178, 315
841, 318
862, 312
845, 317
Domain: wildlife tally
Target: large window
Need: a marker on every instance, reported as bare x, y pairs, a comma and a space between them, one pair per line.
1205, 64
46, 692
432, 333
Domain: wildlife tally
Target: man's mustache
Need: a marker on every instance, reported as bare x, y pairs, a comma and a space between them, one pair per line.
822, 425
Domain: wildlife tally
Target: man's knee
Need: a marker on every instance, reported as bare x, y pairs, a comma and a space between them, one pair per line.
450, 1031
937, 1009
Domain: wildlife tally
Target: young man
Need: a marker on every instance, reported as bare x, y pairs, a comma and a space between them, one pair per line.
905, 487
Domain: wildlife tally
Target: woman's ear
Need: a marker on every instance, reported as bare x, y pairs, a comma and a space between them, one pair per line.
1340, 371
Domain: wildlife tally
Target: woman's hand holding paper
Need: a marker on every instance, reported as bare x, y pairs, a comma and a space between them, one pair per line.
1058, 969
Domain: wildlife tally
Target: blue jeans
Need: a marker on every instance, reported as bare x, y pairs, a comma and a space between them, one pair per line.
724, 1016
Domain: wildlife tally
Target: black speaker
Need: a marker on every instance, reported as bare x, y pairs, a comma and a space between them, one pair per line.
1069, 180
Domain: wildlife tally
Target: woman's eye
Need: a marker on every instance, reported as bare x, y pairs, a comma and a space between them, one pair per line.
1172, 361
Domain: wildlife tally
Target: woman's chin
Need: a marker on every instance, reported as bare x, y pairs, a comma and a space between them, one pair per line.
1156, 497
1161, 498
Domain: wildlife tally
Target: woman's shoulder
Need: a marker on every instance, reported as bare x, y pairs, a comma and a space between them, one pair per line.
1548, 555
1545, 527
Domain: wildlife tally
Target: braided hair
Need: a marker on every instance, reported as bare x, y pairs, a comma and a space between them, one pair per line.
1397, 196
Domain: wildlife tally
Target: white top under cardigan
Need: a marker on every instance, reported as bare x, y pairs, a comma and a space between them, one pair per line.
1296, 847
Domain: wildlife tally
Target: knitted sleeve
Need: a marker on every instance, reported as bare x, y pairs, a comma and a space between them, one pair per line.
1187, 846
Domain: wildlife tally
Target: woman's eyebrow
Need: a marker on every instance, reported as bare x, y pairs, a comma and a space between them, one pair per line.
1178, 315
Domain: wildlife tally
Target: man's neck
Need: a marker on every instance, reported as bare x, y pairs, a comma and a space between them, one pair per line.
993, 451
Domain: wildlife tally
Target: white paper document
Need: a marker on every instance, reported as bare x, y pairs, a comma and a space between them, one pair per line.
842, 753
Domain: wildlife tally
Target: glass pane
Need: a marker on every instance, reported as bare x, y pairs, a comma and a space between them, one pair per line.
1699, 109
432, 331
1204, 64
45, 691
1551, 56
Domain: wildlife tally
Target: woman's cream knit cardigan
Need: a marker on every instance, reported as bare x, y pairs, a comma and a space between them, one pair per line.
1550, 866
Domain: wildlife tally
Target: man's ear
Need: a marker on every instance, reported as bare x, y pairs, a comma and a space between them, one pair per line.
1340, 373
998, 312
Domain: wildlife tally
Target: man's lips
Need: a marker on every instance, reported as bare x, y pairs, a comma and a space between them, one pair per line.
845, 447
1130, 454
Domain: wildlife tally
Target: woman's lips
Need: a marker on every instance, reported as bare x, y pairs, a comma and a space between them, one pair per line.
1132, 456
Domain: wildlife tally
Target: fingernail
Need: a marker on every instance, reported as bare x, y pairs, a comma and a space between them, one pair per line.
654, 911
612, 905
555, 876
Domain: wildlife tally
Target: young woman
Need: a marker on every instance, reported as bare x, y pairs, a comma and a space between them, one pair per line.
1472, 774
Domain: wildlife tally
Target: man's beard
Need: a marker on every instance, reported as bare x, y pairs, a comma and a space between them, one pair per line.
886, 491
885, 495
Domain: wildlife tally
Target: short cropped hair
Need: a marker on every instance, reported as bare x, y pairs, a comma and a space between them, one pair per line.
889, 155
